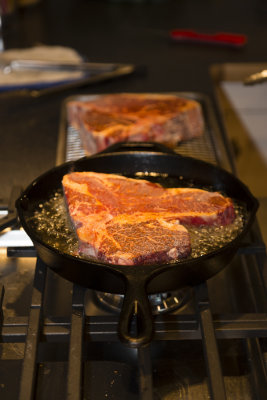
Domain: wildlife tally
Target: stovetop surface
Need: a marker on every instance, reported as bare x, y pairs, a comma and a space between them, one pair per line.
178, 365
236, 297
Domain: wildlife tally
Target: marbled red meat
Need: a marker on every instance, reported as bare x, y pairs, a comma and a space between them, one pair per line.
132, 221
113, 118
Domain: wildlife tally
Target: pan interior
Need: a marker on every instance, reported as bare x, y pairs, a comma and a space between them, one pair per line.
51, 223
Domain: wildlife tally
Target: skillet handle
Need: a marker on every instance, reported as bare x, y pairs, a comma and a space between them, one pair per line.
136, 321
138, 146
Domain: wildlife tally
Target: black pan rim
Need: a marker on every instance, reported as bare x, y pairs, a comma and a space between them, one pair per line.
116, 267
123, 153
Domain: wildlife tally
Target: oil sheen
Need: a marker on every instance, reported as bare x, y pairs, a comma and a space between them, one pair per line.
53, 227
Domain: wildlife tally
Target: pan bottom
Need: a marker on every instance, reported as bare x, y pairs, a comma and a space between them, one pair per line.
160, 302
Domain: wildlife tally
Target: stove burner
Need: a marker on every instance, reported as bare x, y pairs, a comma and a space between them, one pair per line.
160, 302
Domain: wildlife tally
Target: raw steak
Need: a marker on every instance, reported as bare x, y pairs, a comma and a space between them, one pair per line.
132, 221
109, 119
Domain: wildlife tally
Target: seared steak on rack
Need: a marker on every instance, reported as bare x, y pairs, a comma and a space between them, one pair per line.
133, 221
113, 118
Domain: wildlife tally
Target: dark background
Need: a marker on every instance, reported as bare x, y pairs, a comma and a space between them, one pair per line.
116, 31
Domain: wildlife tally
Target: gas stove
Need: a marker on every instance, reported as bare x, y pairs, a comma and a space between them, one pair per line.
59, 340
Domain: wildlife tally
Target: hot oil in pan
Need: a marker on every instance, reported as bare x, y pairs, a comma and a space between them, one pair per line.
53, 227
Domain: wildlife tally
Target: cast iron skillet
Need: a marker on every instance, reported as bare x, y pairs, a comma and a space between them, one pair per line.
136, 282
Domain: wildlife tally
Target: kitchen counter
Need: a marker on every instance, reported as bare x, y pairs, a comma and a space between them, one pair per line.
121, 32
244, 114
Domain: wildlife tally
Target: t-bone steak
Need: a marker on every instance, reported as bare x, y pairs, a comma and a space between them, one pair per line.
113, 118
127, 221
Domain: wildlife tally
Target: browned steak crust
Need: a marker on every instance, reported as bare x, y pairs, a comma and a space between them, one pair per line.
109, 119
130, 221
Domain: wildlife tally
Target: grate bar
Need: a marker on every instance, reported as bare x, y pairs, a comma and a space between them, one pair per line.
2, 292
145, 373
21, 251
76, 344
211, 354
169, 327
28, 377
258, 370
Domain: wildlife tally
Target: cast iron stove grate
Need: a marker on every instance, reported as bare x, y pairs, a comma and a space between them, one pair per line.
77, 334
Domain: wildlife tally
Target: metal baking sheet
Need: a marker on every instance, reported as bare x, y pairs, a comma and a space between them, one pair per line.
209, 147
38, 90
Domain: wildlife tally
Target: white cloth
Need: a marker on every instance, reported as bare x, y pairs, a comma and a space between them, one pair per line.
26, 78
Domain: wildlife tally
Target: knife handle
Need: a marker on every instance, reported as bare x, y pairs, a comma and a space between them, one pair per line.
220, 38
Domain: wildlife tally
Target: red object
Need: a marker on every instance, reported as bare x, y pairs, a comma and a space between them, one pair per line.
221, 38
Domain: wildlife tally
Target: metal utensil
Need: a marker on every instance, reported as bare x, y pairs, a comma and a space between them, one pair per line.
258, 77
22, 65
